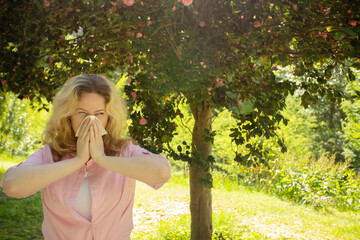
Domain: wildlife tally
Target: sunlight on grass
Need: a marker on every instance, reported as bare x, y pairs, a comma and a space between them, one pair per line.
280, 219
238, 213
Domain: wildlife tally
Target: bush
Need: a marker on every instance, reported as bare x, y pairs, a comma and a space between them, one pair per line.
20, 125
321, 183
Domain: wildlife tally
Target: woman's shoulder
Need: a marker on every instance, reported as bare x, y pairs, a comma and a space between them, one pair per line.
49, 154
133, 149
131, 145
45, 149
40, 156
127, 147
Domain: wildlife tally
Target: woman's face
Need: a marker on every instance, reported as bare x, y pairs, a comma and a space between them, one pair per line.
89, 104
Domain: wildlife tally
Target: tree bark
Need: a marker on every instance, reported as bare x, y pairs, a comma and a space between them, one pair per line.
200, 194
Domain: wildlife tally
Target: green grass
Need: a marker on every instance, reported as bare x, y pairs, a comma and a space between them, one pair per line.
238, 213
19, 218
277, 219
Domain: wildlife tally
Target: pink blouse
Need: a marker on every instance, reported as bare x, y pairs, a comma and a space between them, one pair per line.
112, 200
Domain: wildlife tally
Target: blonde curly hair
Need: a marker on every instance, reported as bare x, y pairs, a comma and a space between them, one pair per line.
59, 133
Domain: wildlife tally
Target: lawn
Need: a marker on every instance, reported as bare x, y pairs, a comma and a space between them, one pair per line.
238, 213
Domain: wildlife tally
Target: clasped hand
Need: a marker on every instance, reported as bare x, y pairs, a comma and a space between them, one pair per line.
90, 143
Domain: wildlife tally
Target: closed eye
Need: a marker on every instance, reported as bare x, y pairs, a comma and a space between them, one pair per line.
83, 113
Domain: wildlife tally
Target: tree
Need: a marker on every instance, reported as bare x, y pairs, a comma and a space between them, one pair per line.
319, 126
351, 124
205, 53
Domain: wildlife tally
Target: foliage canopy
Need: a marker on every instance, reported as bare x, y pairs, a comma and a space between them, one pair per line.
221, 52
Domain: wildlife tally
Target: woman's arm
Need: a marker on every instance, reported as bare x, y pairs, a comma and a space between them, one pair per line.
23, 181
26, 180
151, 169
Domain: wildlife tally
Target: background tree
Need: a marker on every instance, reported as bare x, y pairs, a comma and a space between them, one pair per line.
319, 128
208, 54
351, 125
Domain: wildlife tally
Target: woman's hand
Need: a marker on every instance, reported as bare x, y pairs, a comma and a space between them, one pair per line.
97, 152
82, 144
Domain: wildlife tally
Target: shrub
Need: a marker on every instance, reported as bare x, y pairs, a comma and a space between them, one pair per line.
21, 125
13, 125
320, 183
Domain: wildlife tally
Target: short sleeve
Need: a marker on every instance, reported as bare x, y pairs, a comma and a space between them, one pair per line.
137, 151
34, 159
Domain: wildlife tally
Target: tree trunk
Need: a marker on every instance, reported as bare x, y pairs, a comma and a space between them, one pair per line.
200, 194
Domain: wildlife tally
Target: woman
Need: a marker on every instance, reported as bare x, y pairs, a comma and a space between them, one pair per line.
87, 182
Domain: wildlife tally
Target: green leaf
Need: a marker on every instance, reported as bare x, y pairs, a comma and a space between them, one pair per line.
283, 59
350, 32
239, 141
351, 75
339, 36
179, 148
328, 72
300, 70
246, 107
165, 138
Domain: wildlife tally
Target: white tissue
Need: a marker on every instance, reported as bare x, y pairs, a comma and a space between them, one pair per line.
92, 117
